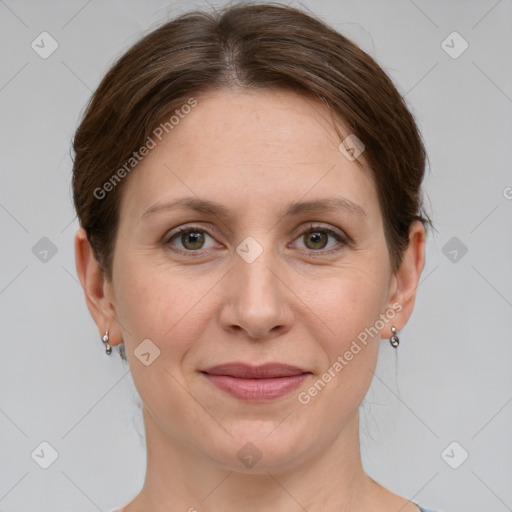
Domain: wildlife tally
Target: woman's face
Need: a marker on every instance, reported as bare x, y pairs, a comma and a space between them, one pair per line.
290, 266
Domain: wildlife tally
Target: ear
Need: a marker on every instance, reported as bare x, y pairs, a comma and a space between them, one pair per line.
406, 278
97, 288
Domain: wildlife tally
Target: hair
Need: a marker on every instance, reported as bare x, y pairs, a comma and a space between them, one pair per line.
256, 46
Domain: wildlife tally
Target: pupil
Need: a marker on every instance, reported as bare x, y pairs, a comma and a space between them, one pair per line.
193, 238
314, 238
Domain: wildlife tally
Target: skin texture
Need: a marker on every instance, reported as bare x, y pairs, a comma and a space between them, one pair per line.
302, 302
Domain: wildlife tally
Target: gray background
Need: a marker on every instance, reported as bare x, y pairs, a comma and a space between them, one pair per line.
450, 379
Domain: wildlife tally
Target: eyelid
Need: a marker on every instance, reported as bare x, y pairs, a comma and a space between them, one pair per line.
322, 227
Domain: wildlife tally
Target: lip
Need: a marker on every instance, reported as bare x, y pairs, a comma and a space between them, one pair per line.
256, 383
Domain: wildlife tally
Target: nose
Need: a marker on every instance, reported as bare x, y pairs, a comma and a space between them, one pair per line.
257, 302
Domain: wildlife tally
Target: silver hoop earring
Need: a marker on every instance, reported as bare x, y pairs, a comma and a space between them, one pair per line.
108, 348
394, 340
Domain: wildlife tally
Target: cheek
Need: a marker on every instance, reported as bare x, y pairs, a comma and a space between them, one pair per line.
162, 305
348, 314
347, 304
168, 309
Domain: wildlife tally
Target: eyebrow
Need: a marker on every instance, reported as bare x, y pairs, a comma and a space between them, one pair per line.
326, 205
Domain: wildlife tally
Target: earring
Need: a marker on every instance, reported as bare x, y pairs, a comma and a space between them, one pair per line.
108, 348
394, 340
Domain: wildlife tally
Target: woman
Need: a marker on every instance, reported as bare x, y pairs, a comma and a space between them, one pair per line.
248, 190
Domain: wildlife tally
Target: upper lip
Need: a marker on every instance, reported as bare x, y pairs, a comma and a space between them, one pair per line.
248, 371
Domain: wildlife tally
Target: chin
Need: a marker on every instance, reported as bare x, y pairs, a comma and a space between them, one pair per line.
260, 449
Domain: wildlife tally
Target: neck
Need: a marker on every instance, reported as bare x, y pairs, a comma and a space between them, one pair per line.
177, 478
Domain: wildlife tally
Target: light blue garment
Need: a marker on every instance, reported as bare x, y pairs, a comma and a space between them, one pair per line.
421, 508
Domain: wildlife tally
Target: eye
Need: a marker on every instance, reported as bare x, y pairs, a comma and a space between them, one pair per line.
192, 238
316, 239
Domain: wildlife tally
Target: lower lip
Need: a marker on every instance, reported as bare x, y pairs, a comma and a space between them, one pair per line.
257, 389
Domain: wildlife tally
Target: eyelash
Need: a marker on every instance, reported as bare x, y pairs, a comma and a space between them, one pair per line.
343, 240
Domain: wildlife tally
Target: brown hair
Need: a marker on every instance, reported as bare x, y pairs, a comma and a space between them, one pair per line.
248, 46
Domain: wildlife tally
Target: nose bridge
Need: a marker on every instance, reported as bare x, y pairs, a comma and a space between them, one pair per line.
257, 282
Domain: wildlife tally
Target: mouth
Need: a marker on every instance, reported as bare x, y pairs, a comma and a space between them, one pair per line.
256, 383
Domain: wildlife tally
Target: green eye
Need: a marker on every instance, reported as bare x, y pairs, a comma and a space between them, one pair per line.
191, 238
316, 239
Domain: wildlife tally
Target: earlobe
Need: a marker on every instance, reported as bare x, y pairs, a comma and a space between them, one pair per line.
97, 289
408, 275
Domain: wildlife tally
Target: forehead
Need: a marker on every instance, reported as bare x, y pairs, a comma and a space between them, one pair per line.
249, 149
